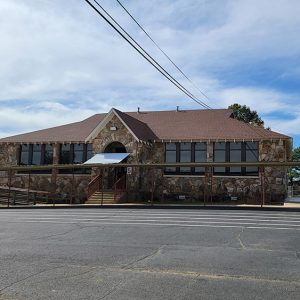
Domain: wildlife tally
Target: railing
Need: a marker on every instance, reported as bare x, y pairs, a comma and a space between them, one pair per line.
94, 186
296, 191
118, 187
158, 187
19, 196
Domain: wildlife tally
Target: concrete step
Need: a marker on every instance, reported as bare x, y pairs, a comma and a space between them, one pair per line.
100, 197
96, 198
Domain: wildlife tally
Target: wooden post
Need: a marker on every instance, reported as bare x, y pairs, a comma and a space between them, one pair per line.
211, 184
28, 188
262, 180
9, 187
72, 187
102, 185
54, 174
152, 185
14, 198
162, 184
34, 198
204, 189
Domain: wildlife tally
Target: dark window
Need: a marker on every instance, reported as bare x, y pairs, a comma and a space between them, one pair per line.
185, 152
78, 154
24, 154
75, 154
236, 152
41, 154
251, 155
48, 155
219, 156
171, 153
89, 151
200, 156
36, 155
185, 156
65, 154
235, 155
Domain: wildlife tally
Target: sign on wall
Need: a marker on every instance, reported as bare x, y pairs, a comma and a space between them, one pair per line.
129, 170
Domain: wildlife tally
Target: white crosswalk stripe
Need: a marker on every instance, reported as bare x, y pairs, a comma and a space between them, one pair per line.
148, 217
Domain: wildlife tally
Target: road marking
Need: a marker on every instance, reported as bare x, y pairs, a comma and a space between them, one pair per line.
154, 210
124, 219
179, 215
157, 224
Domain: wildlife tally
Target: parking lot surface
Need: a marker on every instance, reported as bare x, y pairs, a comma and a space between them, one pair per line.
149, 254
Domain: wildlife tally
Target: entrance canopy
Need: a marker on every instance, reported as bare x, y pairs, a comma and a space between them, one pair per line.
107, 158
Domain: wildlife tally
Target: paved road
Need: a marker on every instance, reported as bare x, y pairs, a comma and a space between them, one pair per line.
149, 254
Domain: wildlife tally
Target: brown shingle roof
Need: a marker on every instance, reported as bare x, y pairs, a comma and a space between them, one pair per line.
141, 130
74, 132
214, 124
158, 125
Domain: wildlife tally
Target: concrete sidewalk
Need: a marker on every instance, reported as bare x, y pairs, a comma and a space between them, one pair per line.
292, 202
290, 205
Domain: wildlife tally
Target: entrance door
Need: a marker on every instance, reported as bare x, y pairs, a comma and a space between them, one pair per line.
115, 147
117, 172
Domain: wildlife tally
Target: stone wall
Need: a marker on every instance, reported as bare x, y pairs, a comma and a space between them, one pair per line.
141, 182
9, 154
121, 135
65, 184
245, 188
276, 178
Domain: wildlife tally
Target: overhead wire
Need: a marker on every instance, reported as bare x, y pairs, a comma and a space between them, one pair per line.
152, 60
161, 50
125, 35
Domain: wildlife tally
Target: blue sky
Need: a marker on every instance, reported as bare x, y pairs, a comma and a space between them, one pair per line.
61, 63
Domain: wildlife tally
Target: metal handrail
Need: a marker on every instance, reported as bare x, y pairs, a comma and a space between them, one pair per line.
155, 165
119, 186
94, 186
295, 191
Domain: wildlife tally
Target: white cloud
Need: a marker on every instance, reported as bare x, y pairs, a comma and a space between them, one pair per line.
287, 126
60, 62
15, 121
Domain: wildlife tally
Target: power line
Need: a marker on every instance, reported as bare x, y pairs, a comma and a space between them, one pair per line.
161, 50
145, 54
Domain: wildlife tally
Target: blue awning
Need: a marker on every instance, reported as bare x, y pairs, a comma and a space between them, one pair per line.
107, 158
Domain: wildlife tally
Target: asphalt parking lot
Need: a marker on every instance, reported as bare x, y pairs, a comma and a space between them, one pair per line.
149, 254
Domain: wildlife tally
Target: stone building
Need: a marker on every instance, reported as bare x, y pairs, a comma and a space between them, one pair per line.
155, 137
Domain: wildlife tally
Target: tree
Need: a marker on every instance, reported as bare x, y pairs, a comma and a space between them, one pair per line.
245, 114
294, 173
296, 154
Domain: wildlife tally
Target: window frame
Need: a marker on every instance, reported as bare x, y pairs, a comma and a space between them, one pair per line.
87, 149
86, 152
31, 151
244, 172
178, 150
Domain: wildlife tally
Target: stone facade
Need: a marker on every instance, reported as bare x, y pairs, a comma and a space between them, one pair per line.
9, 154
145, 182
121, 135
66, 185
246, 189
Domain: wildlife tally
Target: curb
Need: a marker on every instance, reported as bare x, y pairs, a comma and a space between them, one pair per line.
149, 206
